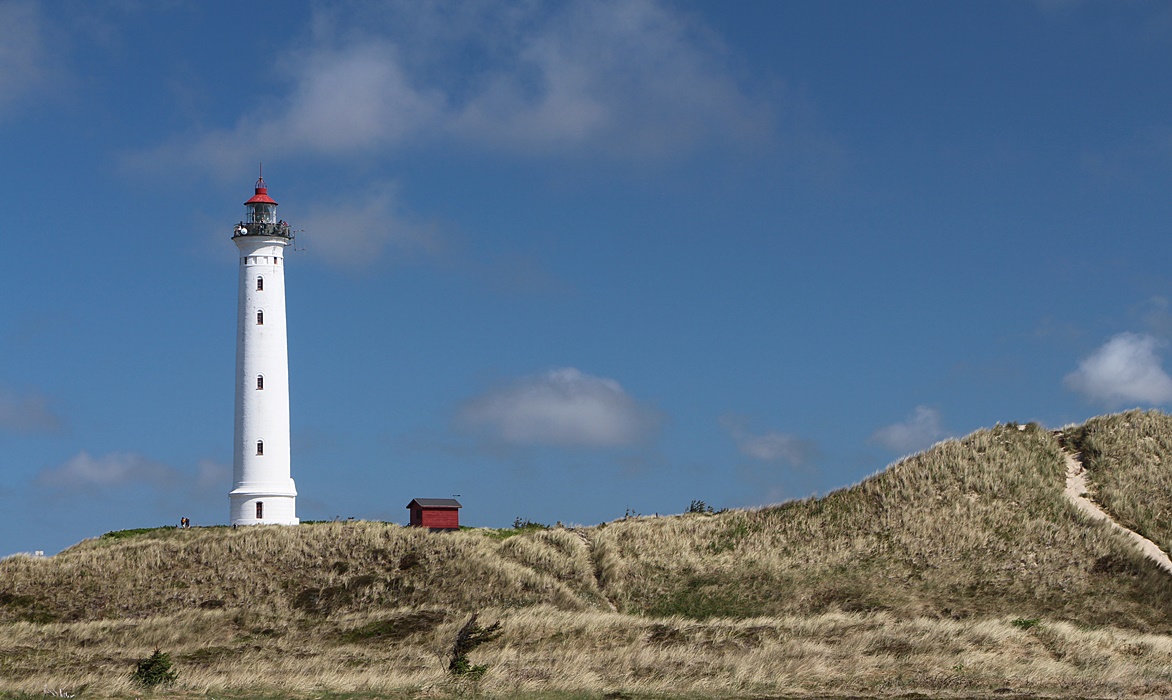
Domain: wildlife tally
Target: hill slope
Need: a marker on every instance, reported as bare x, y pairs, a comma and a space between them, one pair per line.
926, 564
972, 526
1128, 457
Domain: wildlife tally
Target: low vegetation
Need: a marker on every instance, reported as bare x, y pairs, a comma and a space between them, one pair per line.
972, 527
155, 670
591, 654
961, 570
1128, 457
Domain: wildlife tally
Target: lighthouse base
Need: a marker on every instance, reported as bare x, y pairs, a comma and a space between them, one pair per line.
263, 508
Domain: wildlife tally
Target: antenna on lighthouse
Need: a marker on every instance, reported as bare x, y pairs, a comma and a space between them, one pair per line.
297, 249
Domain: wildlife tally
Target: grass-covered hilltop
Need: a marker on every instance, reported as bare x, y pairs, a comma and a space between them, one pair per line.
960, 571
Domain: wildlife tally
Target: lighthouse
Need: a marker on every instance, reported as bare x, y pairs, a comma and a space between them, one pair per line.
262, 488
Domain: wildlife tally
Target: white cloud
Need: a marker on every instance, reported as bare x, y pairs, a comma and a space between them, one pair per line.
922, 429
116, 468
1125, 369
770, 446
626, 78
562, 407
84, 471
211, 475
23, 59
344, 102
356, 230
26, 413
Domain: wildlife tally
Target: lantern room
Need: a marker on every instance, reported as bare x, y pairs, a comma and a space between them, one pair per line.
261, 219
261, 208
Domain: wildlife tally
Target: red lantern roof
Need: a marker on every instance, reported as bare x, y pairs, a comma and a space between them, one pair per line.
262, 194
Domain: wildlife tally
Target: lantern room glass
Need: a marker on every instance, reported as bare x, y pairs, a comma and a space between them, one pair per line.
261, 213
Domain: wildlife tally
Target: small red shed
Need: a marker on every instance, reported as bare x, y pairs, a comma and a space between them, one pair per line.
435, 513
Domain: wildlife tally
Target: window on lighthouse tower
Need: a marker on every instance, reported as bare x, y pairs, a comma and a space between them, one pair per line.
260, 284
260, 382
260, 510
260, 317
260, 447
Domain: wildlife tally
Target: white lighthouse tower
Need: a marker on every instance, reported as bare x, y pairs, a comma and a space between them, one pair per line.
262, 490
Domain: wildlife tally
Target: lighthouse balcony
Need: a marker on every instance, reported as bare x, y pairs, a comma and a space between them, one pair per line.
265, 230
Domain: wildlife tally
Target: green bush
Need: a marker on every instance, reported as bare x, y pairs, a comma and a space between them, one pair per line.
698, 506
520, 523
155, 670
470, 636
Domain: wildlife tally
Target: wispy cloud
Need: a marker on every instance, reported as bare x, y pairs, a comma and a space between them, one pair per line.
85, 471
625, 79
770, 446
211, 475
114, 469
922, 429
358, 229
562, 407
27, 413
23, 58
1126, 369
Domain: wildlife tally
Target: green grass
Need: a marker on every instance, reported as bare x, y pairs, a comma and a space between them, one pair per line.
115, 535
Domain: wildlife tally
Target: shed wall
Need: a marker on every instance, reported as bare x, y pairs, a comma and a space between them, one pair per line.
441, 518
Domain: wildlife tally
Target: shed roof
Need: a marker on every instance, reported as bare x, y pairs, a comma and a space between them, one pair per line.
435, 503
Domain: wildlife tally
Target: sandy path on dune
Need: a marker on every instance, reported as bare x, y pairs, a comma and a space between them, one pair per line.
1076, 493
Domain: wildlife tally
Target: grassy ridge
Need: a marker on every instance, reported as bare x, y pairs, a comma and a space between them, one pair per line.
316, 569
975, 526
908, 581
1128, 457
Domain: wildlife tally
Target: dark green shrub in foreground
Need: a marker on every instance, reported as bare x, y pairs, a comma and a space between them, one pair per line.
155, 670
470, 636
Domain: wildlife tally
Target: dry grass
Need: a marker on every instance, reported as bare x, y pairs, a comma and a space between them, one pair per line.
972, 527
1128, 457
546, 650
907, 582
316, 569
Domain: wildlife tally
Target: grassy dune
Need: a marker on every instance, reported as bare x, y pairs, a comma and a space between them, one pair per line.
960, 570
1128, 457
546, 652
976, 526
312, 569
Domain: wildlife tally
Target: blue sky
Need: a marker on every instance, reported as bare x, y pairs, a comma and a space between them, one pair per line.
569, 259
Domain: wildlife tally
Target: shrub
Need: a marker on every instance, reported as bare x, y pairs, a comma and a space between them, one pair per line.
155, 670
698, 506
520, 523
470, 636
